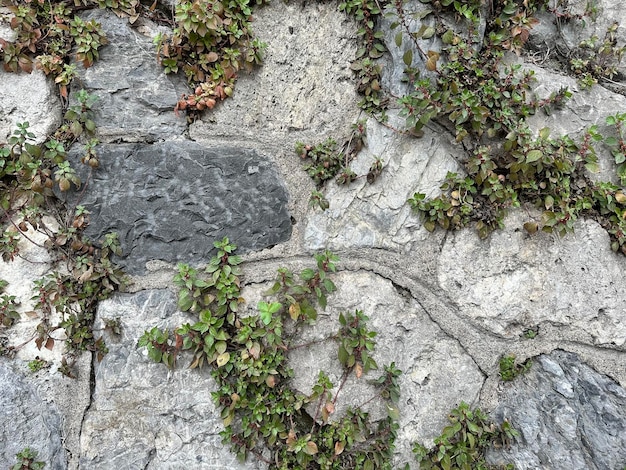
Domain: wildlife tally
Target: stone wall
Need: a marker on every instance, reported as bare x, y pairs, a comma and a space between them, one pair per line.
446, 306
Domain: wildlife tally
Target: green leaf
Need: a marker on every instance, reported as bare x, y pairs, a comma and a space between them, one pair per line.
264, 312
533, 156
220, 347
343, 355
185, 300
408, 58
448, 37
393, 412
428, 33
399, 38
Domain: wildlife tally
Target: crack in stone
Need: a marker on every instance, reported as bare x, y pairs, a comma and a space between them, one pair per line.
92, 391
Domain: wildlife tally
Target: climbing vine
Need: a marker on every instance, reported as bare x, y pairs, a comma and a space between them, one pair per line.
248, 356
47, 36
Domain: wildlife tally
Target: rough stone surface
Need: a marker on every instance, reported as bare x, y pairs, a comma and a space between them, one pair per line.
446, 305
559, 34
28, 421
142, 416
172, 200
405, 336
568, 416
377, 215
513, 281
304, 86
135, 97
584, 109
28, 98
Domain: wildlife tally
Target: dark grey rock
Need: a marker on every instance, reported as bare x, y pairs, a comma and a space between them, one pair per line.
172, 200
136, 98
568, 416
27, 421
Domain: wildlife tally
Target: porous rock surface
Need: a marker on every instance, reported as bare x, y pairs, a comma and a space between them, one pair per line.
446, 306
143, 416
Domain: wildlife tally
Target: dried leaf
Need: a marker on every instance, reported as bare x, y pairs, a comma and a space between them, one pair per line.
339, 446
311, 448
294, 311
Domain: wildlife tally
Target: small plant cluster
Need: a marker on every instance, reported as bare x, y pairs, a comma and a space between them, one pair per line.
27, 460
367, 13
486, 104
211, 44
37, 364
510, 368
596, 59
48, 32
248, 355
327, 160
74, 295
463, 443
30, 173
8, 307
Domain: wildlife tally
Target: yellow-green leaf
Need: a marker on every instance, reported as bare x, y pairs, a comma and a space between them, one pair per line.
408, 58
533, 156
222, 359
531, 227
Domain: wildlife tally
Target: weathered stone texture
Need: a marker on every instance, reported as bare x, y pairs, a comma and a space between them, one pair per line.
304, 85
377, 215
405, 336
172, 200
28, 98
143, 416
28, 421
568, 416
512, 281
136, 98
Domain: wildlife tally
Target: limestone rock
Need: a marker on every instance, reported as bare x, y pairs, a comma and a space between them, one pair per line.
406, 336
377, 215
565, 35
28, 98
568, 416
584, 109
142, 416
305, 84
172, 200
513, 281
136, 98
27, 421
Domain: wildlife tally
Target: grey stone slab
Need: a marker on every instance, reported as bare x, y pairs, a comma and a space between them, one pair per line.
143, 416
568, 415
171, 200
28, 421
136, 98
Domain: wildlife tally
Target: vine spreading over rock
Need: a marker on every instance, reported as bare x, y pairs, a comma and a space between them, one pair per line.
248, 354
